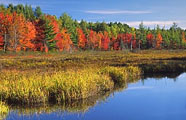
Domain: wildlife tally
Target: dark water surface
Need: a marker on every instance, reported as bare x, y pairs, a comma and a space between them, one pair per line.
148, 99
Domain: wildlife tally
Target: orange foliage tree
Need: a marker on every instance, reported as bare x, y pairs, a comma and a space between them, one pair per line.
183, 40
1, 42
29, 34
159, 40
150, 39
17, 31
47, 33
82, 41
99, 40
125, 40
105, 41
5, 22
63, 41
134, 41
183, 37
114, 44
92, 40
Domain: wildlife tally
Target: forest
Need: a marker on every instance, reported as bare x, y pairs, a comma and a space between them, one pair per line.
23, 28
54, 63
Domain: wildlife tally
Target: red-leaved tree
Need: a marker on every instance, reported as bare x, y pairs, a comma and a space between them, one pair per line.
82, 41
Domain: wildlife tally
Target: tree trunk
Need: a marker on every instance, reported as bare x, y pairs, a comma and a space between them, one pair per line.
15, 40
45, 47
131, 45
5, 43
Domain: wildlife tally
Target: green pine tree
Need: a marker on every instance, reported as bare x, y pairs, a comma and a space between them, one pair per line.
49, 35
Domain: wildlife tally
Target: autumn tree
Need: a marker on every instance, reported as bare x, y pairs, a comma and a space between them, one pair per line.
115, 42
82, 41
1, 42
92, 40
150, 39
105, 41
5, 23
27, 40
158, 41
183, 40
40, 35
25, 28
64, 42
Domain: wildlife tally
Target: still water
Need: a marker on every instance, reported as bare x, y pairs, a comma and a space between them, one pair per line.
159, 98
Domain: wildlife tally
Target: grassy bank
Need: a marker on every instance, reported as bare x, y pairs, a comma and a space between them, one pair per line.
78, 60
38, 78
33, 88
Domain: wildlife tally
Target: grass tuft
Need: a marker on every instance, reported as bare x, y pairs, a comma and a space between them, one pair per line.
3, 110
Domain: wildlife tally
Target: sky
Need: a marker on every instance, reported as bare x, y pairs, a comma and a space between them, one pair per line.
131, 12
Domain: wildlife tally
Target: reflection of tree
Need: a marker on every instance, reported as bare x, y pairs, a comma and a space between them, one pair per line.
163, 75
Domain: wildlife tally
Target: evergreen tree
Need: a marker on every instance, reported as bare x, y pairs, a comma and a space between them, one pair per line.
38, 12
70, 25
49, 35
11, 7
142, 36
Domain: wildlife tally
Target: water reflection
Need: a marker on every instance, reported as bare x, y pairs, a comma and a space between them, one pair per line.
77, 106
161, 97
163, 75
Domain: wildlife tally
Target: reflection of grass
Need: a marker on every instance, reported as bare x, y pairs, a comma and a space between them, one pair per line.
3, 110
75, 106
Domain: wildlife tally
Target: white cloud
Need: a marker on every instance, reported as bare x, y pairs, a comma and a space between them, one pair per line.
15, 2
110, 12
7, 2
151, 23
138, 88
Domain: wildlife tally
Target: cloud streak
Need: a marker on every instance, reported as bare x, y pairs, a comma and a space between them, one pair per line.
6, 2
111, 12
151, 23
138, 88
16, 2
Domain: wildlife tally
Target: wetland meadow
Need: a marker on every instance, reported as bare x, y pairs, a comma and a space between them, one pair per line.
79, 85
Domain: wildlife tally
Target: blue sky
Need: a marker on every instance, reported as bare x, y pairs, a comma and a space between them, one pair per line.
132, 12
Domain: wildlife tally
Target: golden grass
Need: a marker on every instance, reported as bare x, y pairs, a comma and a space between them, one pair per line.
65, 61
3, 110
60, 86
44, 78
122, 75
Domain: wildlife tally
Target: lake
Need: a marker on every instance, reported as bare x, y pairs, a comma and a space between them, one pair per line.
151, 98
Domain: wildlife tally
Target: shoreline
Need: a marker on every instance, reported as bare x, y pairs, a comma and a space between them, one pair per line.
29, 81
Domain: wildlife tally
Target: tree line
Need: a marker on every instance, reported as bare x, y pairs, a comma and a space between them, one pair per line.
28, 29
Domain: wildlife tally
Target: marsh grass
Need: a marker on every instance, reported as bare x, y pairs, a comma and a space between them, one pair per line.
3, 110
39, 78
121, 76
34, 88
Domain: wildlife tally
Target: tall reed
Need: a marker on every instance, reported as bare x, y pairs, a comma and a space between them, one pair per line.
33, 88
